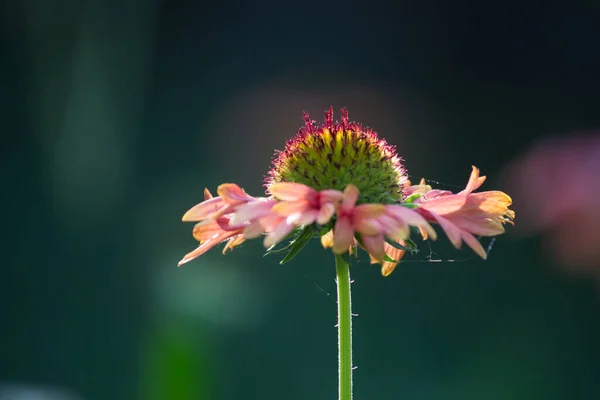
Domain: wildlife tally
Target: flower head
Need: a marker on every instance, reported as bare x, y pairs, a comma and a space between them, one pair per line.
336, 154
342, 183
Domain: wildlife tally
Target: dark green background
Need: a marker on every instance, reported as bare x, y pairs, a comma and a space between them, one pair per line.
117, 114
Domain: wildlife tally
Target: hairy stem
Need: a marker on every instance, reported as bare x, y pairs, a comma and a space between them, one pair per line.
342, 270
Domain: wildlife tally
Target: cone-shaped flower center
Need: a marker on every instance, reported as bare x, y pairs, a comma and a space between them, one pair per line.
334, 155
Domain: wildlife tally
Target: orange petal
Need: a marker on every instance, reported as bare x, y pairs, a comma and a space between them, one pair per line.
387, 267
233, 194
368, 211
478, 226
291, 191
234, 242
350, 197
207, 194
491, 202
327, 240
286, 208
206, 230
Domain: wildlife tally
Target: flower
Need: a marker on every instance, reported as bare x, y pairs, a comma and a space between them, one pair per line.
465, 213
339, 181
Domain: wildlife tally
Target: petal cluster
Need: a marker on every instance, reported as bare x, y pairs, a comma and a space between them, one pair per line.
381, 229
374, 223
235, 216
465, 214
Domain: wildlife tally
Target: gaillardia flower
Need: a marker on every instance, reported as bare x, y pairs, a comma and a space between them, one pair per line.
339, 181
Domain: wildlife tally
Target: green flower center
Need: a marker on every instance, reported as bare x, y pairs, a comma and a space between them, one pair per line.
337, 154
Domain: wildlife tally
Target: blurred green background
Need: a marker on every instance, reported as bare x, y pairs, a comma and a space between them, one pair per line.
117, 114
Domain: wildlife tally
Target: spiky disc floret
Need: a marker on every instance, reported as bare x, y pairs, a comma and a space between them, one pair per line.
334, 155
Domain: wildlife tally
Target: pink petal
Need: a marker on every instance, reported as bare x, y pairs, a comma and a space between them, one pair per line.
330, 196
325, 214
278, 234
203, 210
393, 228
444, 204
474, 181
254, 230
291, 191
233, 194
207, 245
343, 235
374, 245
410, 217
303, 218
271, 221
350, 197
226, 225
226, 209
473, 243
366, 226
252, 210
451, 230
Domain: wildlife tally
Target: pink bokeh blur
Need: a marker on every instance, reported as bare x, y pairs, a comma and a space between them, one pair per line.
556, 191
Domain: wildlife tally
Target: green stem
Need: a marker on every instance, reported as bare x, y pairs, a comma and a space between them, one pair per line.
342, 270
